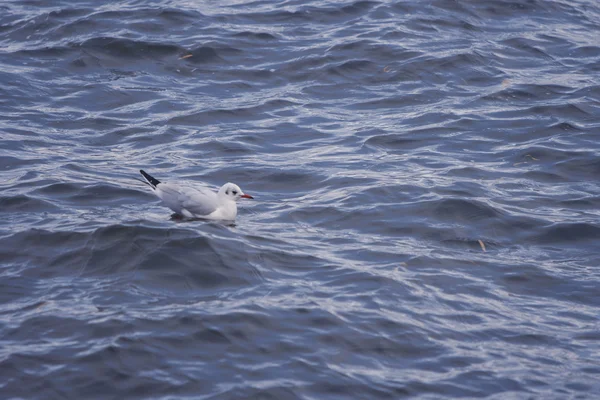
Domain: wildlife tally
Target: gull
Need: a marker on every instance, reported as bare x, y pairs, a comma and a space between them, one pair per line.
198, 202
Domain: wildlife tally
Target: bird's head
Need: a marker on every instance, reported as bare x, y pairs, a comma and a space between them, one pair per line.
233, 192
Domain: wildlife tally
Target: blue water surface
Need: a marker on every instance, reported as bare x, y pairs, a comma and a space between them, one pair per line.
426, 178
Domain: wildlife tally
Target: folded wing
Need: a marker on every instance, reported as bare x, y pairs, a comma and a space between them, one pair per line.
197, 201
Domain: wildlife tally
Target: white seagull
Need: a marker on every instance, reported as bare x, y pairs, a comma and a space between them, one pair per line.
198, 202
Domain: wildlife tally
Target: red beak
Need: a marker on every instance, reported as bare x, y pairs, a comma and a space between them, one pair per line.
246, 196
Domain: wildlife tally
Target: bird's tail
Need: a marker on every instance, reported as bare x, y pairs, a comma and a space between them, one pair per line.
153, 182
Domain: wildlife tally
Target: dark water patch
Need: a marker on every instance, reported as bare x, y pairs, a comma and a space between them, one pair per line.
230, 147
148, 253
449, 23
310, 14
179, 15
561, 128
129, 49
58, 190
8, 163
592, 91
269, 17
18, 90
360, 6
461, 210
36, 247
354, 46
568, 233
585, 167
549, 154
202, 54
103, 194
540, 280
405, 141
287, 137
50, 327
213, 116
319, 215
77, 28
592, 52
305, 68
15, 289
23, 203
531, 47
590, 335
46, 53
289, 181
556, 164
567, 111
585, 203
473, 244
456, 61
496, 9
212, 52
240, 113
527, 93
351, 68
117, 136
397, 103
544, 177
68, 13
277, 262
263, 36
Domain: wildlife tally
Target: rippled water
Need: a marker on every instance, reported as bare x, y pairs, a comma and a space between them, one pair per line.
426, 221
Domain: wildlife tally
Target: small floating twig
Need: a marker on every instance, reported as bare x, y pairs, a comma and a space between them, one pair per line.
482, 245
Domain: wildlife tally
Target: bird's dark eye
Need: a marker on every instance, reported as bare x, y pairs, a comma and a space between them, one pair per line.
234, 192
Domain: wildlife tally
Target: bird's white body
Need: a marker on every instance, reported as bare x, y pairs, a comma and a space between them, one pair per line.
198, 202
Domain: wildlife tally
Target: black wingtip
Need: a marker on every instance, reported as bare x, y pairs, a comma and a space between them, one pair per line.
149, 178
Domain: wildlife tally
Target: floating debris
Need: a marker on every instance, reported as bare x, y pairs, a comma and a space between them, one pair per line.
525, 162
482, 245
